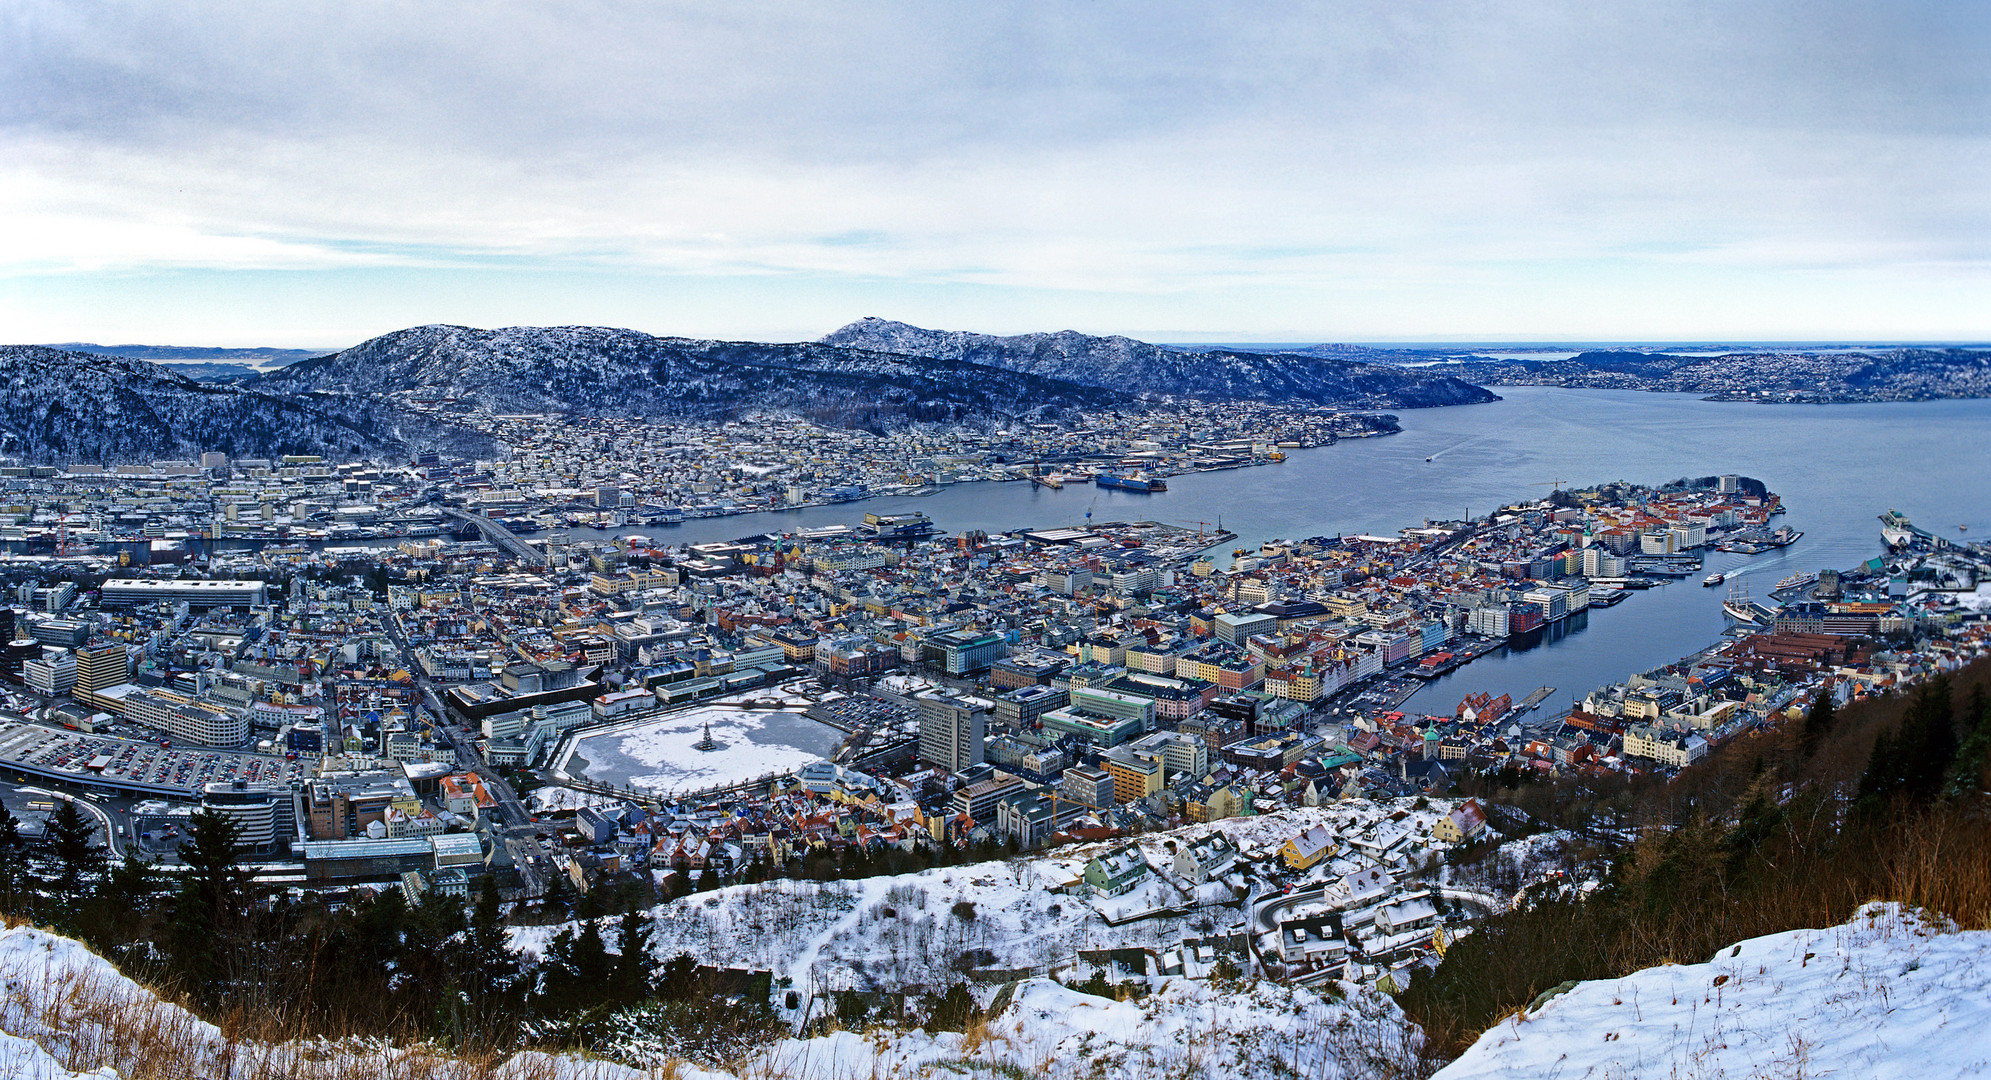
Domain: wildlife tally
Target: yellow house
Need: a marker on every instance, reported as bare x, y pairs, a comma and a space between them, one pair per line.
1308, 848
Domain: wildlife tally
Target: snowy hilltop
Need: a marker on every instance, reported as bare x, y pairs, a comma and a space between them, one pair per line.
1892, 993
1142, 368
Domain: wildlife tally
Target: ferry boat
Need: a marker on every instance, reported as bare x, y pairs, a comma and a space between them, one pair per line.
1713, 579
1897, 530
1795, 581
1136, 482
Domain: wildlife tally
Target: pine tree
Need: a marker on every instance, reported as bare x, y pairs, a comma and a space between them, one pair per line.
557, 984
118, 912
558, 900
1883, 773
78, 861
16, 882
677, 979
1818, 721
629, 980
591, 964
211, 906
1927, 742
488, 957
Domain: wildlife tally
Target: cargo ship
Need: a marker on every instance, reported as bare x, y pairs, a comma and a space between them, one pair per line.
1136, 482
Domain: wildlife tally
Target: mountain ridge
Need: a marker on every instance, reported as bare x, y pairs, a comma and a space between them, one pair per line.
1144, 368
86, 407
611, 371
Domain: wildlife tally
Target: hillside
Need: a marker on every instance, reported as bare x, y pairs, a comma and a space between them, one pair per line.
1891, 993
1141, 368
1794, 826
81, 407
611, 372
1881, 375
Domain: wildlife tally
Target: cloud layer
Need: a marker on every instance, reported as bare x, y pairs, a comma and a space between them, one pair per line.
1353, 170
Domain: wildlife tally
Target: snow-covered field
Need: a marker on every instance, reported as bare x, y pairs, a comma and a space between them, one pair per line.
1890, 994
661, 753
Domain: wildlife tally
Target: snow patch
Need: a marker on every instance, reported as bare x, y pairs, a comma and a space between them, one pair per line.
1892, 993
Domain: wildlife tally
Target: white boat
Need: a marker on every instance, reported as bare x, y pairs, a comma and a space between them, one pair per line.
1713, 579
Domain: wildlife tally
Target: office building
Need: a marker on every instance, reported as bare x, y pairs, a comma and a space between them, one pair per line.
951, 732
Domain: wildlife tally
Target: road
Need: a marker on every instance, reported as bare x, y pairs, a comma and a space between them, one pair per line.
514, 825
104, 819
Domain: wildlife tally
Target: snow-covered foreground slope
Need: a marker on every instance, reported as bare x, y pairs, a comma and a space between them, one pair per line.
67, 1014
1186, 1031
1890, 994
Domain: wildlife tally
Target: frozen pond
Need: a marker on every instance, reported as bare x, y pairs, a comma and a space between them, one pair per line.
662, 753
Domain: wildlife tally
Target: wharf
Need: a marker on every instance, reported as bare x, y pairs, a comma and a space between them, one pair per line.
1536, 698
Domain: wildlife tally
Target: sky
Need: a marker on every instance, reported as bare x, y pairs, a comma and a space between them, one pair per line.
310, 175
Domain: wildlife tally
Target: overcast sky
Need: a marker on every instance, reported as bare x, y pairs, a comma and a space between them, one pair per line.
311, 175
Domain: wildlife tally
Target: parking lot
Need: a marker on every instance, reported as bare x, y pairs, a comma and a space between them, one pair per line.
134, 765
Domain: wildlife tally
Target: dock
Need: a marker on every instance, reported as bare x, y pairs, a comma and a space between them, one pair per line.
1051, 482
1536, 698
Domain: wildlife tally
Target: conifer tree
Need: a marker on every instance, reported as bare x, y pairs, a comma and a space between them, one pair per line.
1927, 741
488, 957
16, 882
77, 861
125, 900
1818, 721
558, 900
629, 980
211, 906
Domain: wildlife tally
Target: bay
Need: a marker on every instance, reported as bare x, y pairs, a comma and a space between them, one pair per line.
1837, 467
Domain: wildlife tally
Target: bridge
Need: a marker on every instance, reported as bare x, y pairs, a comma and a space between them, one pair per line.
499, 535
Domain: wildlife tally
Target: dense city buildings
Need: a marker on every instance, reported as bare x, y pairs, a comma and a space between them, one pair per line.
355, 706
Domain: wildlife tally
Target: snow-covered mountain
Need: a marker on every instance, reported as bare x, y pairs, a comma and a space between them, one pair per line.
612, 372
82, 407
1892, 993
1143, 368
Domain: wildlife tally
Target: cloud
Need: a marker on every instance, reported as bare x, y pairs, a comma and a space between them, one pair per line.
1103, 149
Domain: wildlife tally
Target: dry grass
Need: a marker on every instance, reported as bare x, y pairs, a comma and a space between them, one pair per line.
92, 1018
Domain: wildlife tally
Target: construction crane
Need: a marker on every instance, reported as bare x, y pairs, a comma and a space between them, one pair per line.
1553, 485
